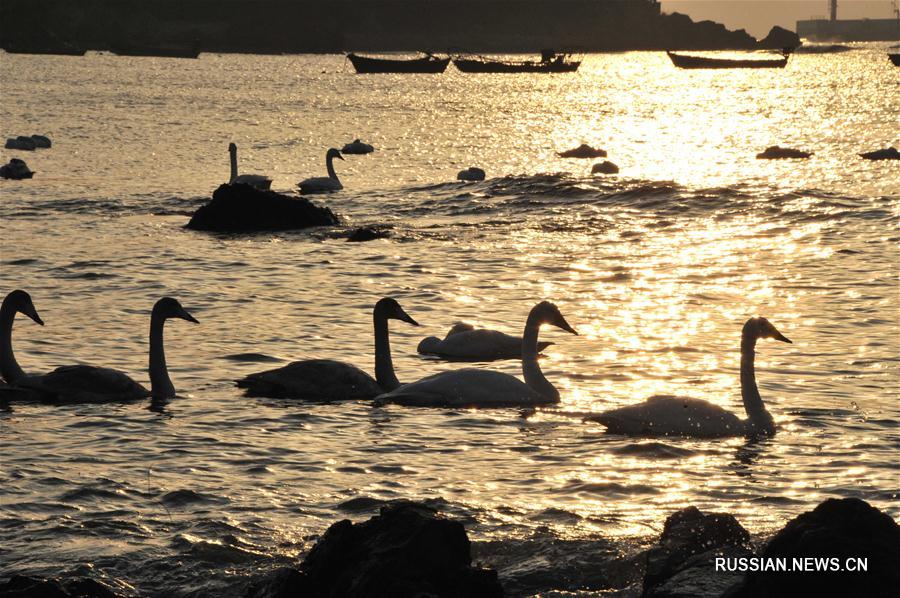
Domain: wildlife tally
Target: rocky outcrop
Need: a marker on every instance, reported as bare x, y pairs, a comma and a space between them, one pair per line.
583, 151
776, 152
23, 586
405, 551
245, 209
890, 153
780, 38
605, 167
368, 233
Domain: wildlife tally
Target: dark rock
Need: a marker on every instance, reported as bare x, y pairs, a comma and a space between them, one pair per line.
283, 583
583, 151
243, 209
473, 173
837, 528
686, 552
16, 169
21, 143
776, 152
890, 153
676, 31
41, 141
605, 167
368, 233
22, 586
780, 38
405, 551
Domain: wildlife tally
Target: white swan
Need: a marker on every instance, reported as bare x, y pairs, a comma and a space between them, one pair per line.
85, 383
680, 416
329, 380
473, 173
324, 184
258, 181
357, 147
466, 343
471, 387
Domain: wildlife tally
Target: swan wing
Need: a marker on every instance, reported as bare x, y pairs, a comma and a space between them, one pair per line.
85, 384
255, 180
312, 380
482, 345
672, 416
320, 184
466, 388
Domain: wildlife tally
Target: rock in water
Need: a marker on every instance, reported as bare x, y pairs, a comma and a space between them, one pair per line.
583, 151
605, 167
837, 528
405, 551
682, 564
16, 169
891, 153
367, 233
22, 586
245, 209
776, 152
473, 173
780, 38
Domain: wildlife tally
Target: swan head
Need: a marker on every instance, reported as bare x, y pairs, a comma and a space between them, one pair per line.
760, 327
232, 148
20, 301
167, 307
333, 153
389, 309
547, 313
429, 344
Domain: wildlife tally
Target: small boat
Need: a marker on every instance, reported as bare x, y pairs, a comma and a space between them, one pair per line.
550, 62
895, 58
427, 64
702, 62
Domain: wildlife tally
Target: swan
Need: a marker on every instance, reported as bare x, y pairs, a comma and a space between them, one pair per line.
258, 181
21, 143
42, 141
473, 173
681, 416
466, 343
329, 380
357, 147
472, 387
16, 169
85, 383
324, 184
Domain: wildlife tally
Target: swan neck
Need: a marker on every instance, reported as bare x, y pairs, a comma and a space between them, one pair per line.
9, 367
759, 418
234, 172
531, 369
384, 366
160, 383
329, 164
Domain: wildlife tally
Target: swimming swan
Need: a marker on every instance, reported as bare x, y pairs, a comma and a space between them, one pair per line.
466, 343
85, 383
680, 416
258, 181
324, 184
472, 387
357, 147
329, 380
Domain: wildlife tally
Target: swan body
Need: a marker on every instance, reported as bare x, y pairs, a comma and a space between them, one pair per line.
325, 184
329, 380
680, 416
466, 343
21, 143
357, 147
473, 173
472, 387
258, 181
41, 141
86, 383
16, 169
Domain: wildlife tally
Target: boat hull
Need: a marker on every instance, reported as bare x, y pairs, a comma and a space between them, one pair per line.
495, 66
700, 62
366, 65
895, 58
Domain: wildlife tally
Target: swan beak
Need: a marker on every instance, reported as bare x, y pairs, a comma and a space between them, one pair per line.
186, 316
780, 337
339, 156
565, 326
34, 316
406, 318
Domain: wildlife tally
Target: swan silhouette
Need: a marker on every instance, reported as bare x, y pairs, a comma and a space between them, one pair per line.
16, 169
85, 383
682, 416
472, 387
464, 342
357, 147
258, 181
324, 184
329, 380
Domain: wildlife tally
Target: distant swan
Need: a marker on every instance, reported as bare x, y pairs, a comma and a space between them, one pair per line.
85, 383
466, 343
329, 380
16, 169
263, 183
472, 387
678, 416
357, 147
324, 184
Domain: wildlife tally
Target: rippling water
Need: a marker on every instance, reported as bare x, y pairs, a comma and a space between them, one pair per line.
657, 268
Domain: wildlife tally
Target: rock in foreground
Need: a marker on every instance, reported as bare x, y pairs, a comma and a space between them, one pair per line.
245, 209
776, 152
890, 153
405, 551
583, 151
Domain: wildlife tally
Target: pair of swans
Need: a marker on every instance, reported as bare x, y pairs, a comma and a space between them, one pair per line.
85, 383
307, 186
464, 342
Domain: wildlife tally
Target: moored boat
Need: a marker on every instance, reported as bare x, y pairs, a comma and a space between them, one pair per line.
703, 62
550, 62
895, 58
426, 64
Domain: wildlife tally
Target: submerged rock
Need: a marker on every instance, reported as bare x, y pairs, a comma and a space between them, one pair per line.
16, 169
243, 209
776, 152
583, 151
605, 167
890, 153
843, 529
472, 173
368, 233
405, 551
682, 563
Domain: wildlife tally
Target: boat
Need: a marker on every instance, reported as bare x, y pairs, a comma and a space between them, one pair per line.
702, 62
550, 62
895, 58
427, 64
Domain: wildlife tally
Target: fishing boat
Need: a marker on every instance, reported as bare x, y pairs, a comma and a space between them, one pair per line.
702, 62
550, 62
427, 64
895, 58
